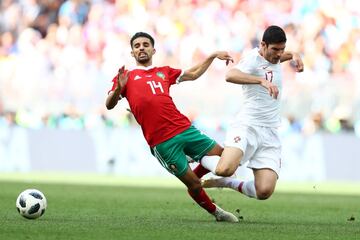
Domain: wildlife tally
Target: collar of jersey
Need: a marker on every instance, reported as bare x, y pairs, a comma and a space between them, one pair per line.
141, 67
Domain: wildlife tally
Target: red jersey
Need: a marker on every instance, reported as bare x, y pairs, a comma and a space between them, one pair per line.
147, 91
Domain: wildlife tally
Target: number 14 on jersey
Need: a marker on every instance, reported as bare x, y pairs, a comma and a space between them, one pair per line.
155, 85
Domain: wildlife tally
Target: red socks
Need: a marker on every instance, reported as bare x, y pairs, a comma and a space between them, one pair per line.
200, 171
203, 200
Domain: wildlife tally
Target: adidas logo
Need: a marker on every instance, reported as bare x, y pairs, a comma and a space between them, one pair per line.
137, 77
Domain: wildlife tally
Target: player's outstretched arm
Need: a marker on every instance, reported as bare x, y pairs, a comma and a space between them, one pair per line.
114, 96
287, 55
197, 70
238, 77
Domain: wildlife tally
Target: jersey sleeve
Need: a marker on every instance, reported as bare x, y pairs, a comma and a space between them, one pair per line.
114, 85
174, 74
246, 64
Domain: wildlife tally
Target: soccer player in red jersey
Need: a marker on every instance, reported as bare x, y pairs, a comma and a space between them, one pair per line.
169, 133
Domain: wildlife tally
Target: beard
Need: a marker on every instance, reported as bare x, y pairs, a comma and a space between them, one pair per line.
143, 60
276, 60
272, 59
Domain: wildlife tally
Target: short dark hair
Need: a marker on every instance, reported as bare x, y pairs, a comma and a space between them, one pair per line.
274, 34
142, 34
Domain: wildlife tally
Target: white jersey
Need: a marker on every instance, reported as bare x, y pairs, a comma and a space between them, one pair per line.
259, 108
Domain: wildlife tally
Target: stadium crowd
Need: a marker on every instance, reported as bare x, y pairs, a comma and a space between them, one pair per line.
57, 58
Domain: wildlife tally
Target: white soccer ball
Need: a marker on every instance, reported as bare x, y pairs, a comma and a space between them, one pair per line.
31, 203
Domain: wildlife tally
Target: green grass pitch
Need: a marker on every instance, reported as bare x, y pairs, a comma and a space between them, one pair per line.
138, 211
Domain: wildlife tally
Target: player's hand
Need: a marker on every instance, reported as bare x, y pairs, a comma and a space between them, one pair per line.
272, 88
122, 77
298, 63
223, 55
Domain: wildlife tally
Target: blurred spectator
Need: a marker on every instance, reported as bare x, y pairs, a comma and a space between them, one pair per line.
46, 14
73, 12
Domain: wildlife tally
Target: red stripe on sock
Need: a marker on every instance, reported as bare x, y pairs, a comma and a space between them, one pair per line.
240, 187
203, 200
200, 171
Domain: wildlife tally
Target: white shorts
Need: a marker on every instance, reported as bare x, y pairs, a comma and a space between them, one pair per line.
261, 146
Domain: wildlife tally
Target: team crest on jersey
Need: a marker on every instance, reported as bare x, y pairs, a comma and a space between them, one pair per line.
173, 167
160, 74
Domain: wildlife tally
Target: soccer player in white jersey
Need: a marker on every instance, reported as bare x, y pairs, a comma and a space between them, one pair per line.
253, 136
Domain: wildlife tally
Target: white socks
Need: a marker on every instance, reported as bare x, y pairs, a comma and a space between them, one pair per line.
229, 182
210, 162
248, 189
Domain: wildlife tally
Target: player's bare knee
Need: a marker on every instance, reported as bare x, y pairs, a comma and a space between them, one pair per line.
264, 193
224, 171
